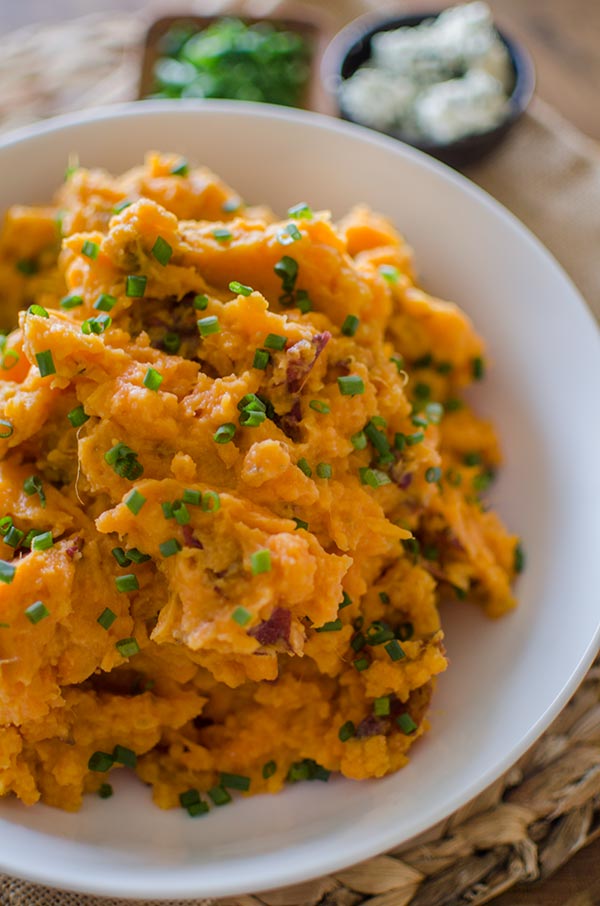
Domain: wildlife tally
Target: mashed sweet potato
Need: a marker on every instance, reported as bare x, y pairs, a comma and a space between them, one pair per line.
237, 474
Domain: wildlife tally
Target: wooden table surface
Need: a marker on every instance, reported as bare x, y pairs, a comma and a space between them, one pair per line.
564, 38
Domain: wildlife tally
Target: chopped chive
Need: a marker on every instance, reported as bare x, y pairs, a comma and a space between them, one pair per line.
304, 467
351, 385
411, 546
377, 438
405, 631
199, 808
261, 359
241, 616
240, 288
13, 537
231, 205
472, 459
209, 325
350, 325
260, 562
453, 405
378, 633
478, 368
519, 558
124, 756
9, 359
359, 440
275, 341
412, 439
287, 270
394, 650
194, 498
289, 234
181, 513
135, 286
346, 601
201, 302
422, 391
423, 361
78, 416
358, 642
136, 556
269, 769
361, 664
167, 508
225, 433
127, 647
105, 302
251, 402
106, 618
374, 478
180, 169
324, 470
170, 547
398, 361
121, 205
105, 791
90, 249
189, 797
384, 597
300, 211
303, 301
134, 501
433, 474
434, 413
419, 421
38, 310
127, 583
37, 612
389, 273
346, 731
252, 419
320, 406
27, 267
7, 572
172, 342
381, 706
162, 251
96, 325
332, 626
6, 428
45, 363
100, 761
406, 724
444, 368
219, 796
153, 379
33, 485
6, 524
300, 524
42, 542
430, 552
211, 502
221, 234
235, 782
482, 481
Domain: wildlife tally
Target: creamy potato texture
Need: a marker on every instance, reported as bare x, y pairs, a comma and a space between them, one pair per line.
237, 474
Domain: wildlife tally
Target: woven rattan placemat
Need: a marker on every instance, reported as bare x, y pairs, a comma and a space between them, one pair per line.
547, 806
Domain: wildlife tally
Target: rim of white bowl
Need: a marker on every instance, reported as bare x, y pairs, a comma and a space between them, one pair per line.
178, 883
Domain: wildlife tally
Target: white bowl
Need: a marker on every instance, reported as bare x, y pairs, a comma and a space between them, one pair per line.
507, 679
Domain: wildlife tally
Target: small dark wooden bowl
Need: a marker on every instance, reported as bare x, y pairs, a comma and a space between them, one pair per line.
351, 47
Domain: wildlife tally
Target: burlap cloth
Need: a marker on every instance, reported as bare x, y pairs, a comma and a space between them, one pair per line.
548, 805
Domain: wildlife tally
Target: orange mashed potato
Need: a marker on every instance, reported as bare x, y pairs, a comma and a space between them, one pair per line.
237, 473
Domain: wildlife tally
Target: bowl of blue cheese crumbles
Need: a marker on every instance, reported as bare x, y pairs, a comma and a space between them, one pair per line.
448, 83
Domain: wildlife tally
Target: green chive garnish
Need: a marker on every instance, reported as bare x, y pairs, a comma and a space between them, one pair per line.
332, 626
346, 731
453, 405
127, 647
434, 413
194, 498
287, 270
120, 556
124, 756
240, 288
219, 796
275, 341
381, 706
37, 612
303, 301
389, 273
135, 286
374, 478
412, 439
106, 618
200, 302
434, 473
361, 664
304, 467
241, 616
224, 434
211, 502
260, 562
38, 310
222, 235
162, 251
411, 546
519, 558
180, 169
90, 249
289, 234
121, 205
358, 642
351, 385
96, 325
394, 650
320, 406
209, 325
422, 391
300, 211
127, 583
45, 363
134, 501
33, 485
405, 631
27, 267
153, 379
7, 572
100, 761
231, 205
300, 524
406, 724
235, 782
181, 513
398, 361
172, 342
137, 556
77, 416
13, 537
169, 548
472, 459
269, 769
384, 597
324, 470
42, 542
478, 368
261, 359
105, 791
359, 440
105, 302
190, 797
350, 325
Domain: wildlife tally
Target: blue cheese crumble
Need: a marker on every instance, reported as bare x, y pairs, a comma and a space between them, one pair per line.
436, 82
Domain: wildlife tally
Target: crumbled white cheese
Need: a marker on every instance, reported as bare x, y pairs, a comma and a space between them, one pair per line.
438, 81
